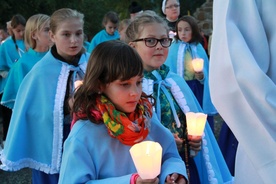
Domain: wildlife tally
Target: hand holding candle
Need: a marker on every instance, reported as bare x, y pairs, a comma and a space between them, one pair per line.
147, 159
198, 64
195, 125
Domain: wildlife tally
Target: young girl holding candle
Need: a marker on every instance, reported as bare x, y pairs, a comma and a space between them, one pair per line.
149, 35
37, 42
41, 119
110, 107
187, 47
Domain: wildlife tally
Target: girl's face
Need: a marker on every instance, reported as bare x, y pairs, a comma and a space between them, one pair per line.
42, 37
172, 9
68, 38
184, 31
110, 27
125, 94
153, 57
18, 32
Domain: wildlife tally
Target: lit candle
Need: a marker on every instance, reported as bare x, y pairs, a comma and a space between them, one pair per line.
198, 64
147, 158
195, 125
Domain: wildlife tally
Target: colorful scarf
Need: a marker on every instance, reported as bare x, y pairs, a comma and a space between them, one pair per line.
127, 128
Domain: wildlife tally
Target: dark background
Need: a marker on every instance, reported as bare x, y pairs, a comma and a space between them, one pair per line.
93, 10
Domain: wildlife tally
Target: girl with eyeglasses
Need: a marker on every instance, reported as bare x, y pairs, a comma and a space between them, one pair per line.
148, 34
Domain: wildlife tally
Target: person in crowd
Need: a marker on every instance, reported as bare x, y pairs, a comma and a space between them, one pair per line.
41, 119
204, 41
148, 34
110, 106
134, 9
171, 9
187, 47
10, 51
122, 28
9, 28
242, 83
3, 34
110, 32
37, 42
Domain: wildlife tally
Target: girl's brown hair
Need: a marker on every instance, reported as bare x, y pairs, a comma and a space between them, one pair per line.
196, 36
110, 61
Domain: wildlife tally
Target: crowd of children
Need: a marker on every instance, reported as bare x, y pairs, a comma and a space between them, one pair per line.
74, 108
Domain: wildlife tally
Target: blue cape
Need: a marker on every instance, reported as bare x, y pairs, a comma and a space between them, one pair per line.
35, 135
210, 163
176, 64
16, 74
100, 37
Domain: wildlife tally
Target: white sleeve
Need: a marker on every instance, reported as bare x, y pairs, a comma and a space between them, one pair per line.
243, 77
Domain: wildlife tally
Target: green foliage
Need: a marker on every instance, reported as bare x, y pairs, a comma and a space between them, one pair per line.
93, 10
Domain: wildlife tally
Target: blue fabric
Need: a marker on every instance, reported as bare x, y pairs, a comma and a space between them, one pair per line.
16, 74
210, 163
36, 127
102, 36
39, 177
228, 145
86, 160
8, 56
197, 52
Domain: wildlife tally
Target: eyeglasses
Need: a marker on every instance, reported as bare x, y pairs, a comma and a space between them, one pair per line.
152, 42
172, 6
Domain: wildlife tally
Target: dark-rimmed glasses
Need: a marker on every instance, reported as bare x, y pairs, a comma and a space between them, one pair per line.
152, 42
172, 6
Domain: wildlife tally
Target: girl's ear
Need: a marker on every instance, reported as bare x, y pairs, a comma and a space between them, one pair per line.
34, 35
52, 36
132, 44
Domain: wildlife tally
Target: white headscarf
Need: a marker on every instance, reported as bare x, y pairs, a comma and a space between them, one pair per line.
164, 6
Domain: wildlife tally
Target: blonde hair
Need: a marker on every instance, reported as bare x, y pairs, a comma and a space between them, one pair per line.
142, 20
63, 14
34, 24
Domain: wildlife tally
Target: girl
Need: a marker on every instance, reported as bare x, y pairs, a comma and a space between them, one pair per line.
41, 119
10, 51
38, 42
187, 47
110, 32
109, 106
149, 35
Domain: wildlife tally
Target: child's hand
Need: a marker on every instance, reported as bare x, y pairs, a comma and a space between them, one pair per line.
195, 143
175, 178
199, 75
179, 142
147, 181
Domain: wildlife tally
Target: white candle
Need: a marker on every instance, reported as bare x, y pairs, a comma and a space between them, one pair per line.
198, 64
147, 157
195, 125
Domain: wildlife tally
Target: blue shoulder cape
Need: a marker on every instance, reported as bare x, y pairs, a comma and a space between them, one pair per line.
35, 134
8, 56
16, 75
210, 163
176, 64
100, 37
